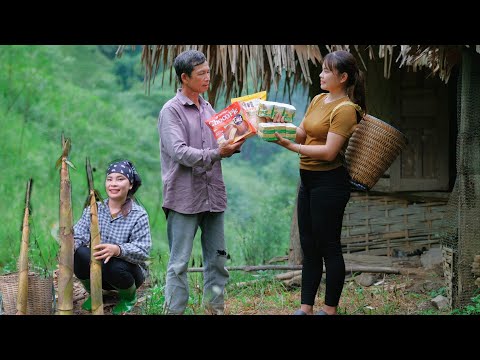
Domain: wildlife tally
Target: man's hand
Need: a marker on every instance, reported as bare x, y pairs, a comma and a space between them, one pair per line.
228, 148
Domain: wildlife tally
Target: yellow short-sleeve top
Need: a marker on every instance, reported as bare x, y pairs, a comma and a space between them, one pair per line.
317, 125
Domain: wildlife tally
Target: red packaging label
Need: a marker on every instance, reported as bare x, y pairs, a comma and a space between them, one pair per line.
231, 123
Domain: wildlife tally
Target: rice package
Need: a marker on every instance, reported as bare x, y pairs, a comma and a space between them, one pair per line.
265, 108
267, 131
271, 108
231, 123
288, 112
290, 131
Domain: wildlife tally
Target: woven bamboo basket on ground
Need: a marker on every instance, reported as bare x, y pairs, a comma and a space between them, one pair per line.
373, 147
40, 296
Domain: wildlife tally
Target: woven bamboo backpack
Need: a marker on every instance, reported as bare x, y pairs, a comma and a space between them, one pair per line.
372, 148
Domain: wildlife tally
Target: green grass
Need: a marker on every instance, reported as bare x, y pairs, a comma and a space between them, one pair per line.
260, 293
154, 303
471, 309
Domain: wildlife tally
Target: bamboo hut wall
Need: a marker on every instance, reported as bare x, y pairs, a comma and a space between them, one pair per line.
379, 224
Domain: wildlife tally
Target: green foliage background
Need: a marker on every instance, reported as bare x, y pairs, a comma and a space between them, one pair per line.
99, 102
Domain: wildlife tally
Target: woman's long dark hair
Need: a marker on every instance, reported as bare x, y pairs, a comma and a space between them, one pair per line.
344, 62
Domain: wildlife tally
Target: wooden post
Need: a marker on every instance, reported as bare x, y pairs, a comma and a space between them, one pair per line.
468, 177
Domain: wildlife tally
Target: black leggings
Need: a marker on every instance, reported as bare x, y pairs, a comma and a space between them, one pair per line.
116, 274
322, 199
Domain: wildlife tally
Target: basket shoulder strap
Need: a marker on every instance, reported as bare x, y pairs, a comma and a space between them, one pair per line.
357, 107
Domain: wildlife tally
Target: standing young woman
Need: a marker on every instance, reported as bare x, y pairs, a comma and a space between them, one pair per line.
125, 238
325, 189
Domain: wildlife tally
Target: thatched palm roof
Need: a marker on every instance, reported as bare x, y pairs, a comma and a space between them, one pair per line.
233, 65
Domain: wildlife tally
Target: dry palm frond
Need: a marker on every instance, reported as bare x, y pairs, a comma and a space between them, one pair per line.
357, 49
439, 59
386, 52
232, 65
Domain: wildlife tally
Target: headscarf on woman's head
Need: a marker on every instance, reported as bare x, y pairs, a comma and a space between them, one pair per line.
127, 169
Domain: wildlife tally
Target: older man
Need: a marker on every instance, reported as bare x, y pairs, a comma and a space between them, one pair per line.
193, 189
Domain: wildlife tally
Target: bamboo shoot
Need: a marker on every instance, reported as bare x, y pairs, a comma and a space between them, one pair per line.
65, 275
22, 295
95, 265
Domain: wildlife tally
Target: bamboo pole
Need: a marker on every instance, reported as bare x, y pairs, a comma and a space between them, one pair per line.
65, 275
95, 265
22, 295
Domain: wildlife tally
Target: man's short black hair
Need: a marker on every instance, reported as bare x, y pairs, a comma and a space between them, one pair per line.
186, 61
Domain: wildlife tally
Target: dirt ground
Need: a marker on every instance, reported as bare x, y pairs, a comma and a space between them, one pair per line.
402, 294
389, 295
110, 298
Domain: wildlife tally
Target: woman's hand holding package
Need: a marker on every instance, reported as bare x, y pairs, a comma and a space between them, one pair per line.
278, 118
283, 142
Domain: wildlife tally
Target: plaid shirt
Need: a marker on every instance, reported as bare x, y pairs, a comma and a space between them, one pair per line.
131, 233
